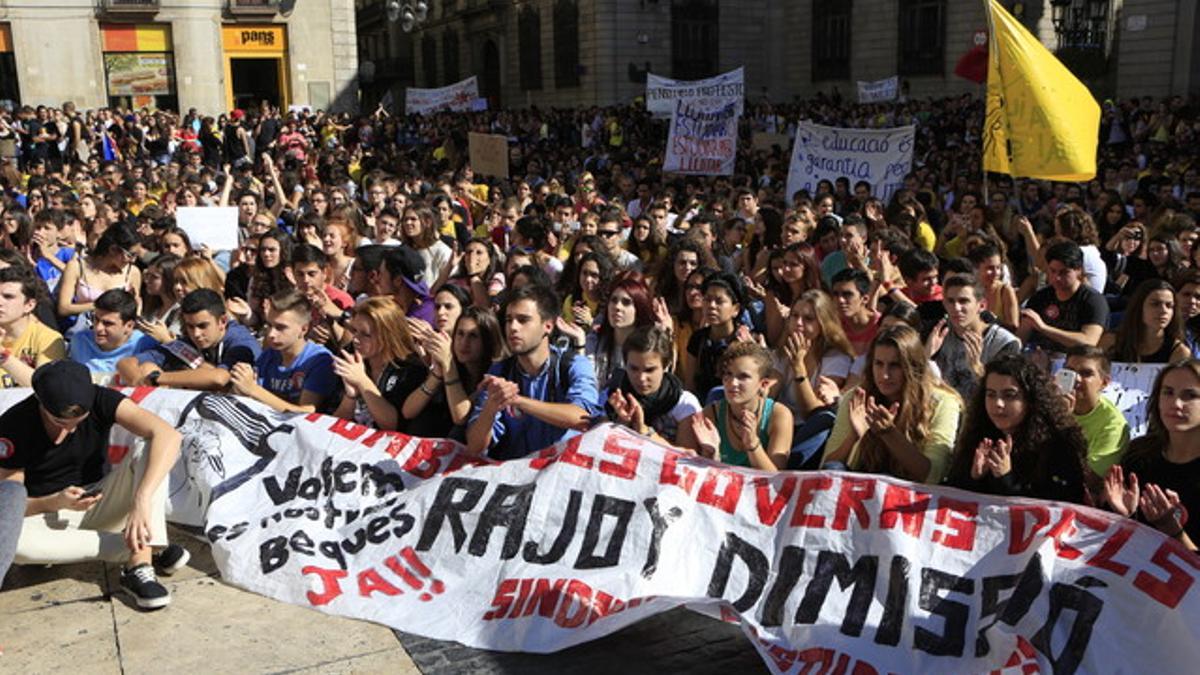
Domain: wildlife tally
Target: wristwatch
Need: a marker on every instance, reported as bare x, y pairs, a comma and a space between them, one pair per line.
152, 378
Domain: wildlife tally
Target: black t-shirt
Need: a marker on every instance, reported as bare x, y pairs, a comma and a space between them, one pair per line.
1086, 307
1152, 467
78, 460
401, 378
708, 351
268, 131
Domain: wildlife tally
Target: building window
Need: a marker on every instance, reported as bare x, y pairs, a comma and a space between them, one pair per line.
529, 30
922, 37
9, 91
831, 40
429, 60
450, 56
695, 39
566, 44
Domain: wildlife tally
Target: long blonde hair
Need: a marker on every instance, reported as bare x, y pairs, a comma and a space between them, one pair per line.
916, 398
833, 336
196, 272
388, 325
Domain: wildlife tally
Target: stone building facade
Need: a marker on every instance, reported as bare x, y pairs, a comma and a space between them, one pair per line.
179, 54
596, 52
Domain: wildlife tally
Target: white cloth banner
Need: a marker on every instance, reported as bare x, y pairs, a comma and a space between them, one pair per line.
827, 572
662, 92
879, 90
458, 97
703, 138
881, 157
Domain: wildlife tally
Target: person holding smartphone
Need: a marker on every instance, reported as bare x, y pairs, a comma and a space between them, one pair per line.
118, 516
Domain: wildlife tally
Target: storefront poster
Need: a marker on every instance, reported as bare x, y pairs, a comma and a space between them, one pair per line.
138, 74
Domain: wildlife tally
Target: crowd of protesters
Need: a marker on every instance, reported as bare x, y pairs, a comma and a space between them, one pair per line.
379, 279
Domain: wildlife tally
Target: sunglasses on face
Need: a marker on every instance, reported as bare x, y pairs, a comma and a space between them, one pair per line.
608, 233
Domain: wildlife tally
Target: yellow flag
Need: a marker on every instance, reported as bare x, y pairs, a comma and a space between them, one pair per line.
1041, 121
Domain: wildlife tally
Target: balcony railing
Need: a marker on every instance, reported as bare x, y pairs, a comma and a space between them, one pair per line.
140, 7
254, 7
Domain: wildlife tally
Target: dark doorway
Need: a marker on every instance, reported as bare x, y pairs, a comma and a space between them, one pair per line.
695, 41
490, 84
255, 80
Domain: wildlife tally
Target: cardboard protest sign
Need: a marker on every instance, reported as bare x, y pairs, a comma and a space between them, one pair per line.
879, 91
215, 226
763, 140
489, 154
702, 140
458, 97
662, 92
826, 571
881, 157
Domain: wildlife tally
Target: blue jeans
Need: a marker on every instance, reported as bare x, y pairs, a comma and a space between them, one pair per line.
809, 439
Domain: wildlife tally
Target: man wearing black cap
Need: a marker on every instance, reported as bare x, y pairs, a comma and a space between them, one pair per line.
56, 443
402, 277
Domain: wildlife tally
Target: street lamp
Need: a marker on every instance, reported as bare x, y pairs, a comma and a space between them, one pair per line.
410, 14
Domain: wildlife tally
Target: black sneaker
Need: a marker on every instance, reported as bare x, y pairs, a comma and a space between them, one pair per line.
171, 559
141, 584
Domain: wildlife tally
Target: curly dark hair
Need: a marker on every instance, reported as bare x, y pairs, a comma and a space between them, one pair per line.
1048, 436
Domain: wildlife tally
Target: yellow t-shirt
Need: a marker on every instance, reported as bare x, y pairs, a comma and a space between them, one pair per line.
926, 239
39, 344
937, 447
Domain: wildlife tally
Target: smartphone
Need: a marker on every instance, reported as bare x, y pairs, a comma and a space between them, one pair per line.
1066, 379
91, 491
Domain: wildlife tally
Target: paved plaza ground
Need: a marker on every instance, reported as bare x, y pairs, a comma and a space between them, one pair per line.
72, 619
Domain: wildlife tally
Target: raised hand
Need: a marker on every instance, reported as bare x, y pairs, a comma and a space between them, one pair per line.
620, 408
795, 348
979, 463
707, 436
637, 415
1121, 492
662, 315
827, 391
155, 329
857, 413
582, 315
439, 353
242, 378
352, 369
937, 338
973, 343
572, 330
1162, 509
743, 334
999, 460
881, 419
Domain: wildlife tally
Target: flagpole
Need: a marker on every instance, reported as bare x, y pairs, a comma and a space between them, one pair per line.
987, 12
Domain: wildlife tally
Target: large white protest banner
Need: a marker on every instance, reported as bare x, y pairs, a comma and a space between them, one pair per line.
662, 92
703, 138
458, 97
879, 90
881, 157
826, 571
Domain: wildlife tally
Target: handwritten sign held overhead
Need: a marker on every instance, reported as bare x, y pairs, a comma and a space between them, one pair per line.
489, 154
881, 157
215, 226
